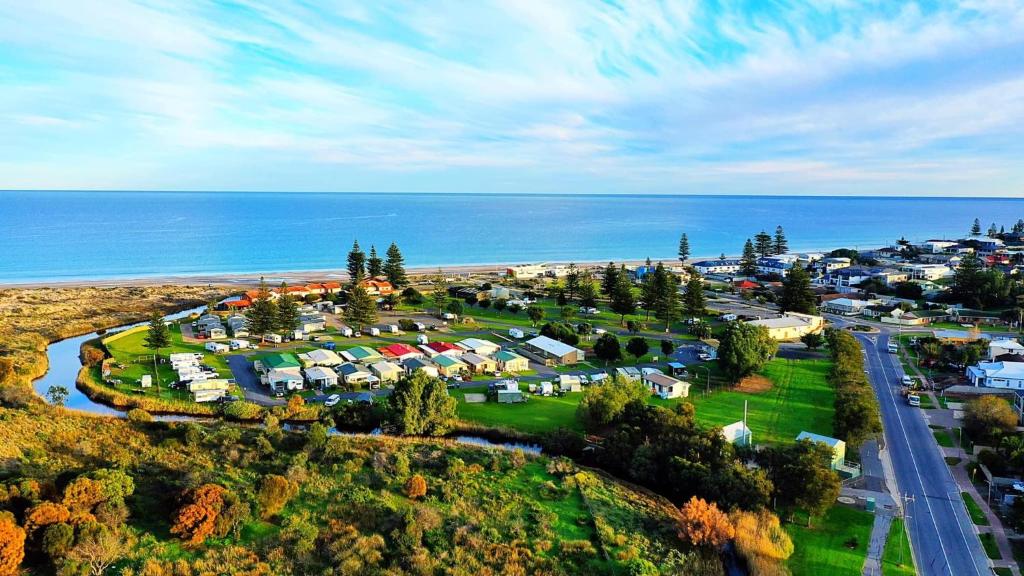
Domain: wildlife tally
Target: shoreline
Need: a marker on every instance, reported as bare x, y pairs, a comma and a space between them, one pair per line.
246, 279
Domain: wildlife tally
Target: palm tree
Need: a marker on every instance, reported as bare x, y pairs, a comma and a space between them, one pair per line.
1012, 448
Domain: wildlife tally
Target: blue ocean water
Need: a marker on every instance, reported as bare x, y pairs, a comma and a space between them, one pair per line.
47, 236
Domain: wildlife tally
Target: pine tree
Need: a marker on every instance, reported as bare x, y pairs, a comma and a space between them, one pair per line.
374, 265
694, 301
356, 264
610, 279
648, 293
781, 245
666, 296
1018, 227
588, 294
684, 248
748, 262
262, 315
362, 309
394, 267
622, 301
763, 244
572, 281
156, 338
797, 295
976, 228
992, 231
287, 315
439, 295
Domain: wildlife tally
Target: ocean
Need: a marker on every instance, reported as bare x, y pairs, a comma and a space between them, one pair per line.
54, 236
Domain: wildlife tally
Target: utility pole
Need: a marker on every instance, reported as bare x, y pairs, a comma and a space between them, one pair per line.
903, 533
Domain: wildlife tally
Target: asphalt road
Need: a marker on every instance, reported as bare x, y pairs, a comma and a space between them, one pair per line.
941, 532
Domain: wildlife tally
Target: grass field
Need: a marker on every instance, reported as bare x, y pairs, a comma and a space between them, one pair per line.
801, 399
943, 438
897, 547
988, 541
977, 515
836, 545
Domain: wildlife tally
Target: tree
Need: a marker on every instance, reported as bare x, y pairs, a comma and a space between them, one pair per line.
287, 316
744, 349
607, 348
561, 331
58, 395
588, 293
989, 417
416, 487
602, 405
763, 244
802, 476
274, 493
780, 245
968, 281
194, 521
566, 313
374, 265
12, 545
622, 301
536, 314
394, 267
666, 296
637, 346
262, 315
439, 295
684, 248
420, 405
813, 340
98, 547
361, 310
703, 524
610, 279
700, 330
455, 307
976, 228
356, 264
797, 295
157, 337
500, 304
667, 347
748, 262
694, 301
572, 281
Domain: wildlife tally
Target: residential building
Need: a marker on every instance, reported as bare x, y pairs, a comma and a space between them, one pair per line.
937, 246
849, 279
927, 271
1004, 348
283, 362
354, 374
449, 366
478, 346
400, 351
1002, 374
845, 306
386, 371
511, 362
960, 336
320, 357
479, 364
524, 271
376, 287
421, 364
321, 377
719, 266
665, 386
433, 349
791, 325
838, 447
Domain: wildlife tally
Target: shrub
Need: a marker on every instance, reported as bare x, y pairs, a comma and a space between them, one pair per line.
275, 491
243, 410
12, 545
577, 548
139, 415
705, 525
416, 487
197, 518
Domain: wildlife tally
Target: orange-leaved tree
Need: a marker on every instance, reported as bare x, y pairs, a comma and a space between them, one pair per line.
705, 525
197, 517
416, 487
275, 491
12, 545
46, 513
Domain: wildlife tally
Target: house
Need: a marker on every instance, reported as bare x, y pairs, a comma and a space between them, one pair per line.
791, 325
281, 380
321, 377
665, 386
449, 366
959, 336
280, 362
354, 375
361, 354
831, 264
447, 348
551, 350
217, 347
478, 346
927, 271
400, 351
937, 246
526, 271
377, 287
480, 364
511, 362
216, 333
850, 278
720, 266
320, 357
746, 285
997, 349
386, 371
845, 306
1002, 374
737, 434
331, 287
421, 365
209, 390
237, 304
312, 323
838, 447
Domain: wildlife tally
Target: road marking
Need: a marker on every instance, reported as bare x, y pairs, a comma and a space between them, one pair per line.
913, 460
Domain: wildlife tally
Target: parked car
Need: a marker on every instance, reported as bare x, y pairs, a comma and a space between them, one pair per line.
332, 400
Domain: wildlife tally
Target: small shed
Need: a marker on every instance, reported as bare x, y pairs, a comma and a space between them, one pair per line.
838, 447
676, 369
737, 433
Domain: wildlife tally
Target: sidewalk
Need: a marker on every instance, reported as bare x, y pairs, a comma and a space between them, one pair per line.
995, 526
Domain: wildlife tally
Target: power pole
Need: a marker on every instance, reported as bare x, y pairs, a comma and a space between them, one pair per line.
902, 511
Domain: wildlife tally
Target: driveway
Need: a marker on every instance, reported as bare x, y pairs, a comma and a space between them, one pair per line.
245, 377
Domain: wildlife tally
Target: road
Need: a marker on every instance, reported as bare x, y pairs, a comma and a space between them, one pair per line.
941, 532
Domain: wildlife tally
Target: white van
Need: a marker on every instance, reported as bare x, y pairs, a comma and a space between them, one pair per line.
906, 381
893, 347
913, 400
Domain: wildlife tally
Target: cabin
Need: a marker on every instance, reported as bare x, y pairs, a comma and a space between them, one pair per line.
217, 347
281, 362
447, 348
838, 447
478, 346
479, 364
449, 366
361, 354
353, 375
321, 377
414, 365
386, 371
400, 351
665, 386
511, 362
676, 369
320, 357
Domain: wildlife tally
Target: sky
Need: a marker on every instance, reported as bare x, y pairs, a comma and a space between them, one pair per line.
856, 97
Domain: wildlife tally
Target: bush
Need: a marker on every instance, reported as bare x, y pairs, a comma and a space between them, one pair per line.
242, 410
416, 487
407, 325
139, 415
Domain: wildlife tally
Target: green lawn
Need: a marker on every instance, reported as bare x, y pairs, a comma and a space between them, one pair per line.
988, 541
897, 548
801, 399
943, 438
835, 545
977, 515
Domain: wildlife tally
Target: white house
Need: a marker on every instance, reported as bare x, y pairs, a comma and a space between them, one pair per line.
478, 346
845, 306
791, 325
727, 266
321, 377
1002, 347
666, 386
997, 374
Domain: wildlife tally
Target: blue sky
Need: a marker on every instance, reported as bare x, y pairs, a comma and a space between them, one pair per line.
619, 96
